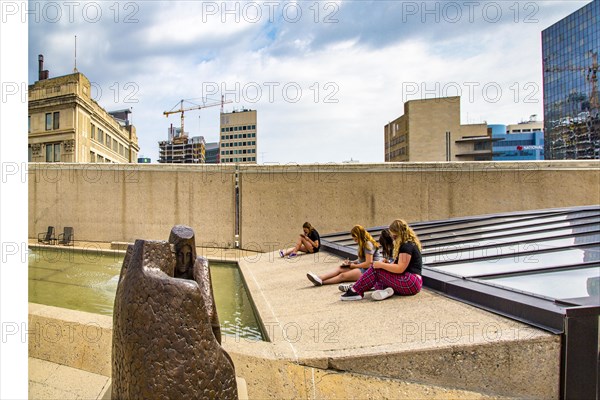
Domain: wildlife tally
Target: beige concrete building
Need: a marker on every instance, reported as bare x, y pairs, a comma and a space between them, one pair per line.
430, 130
66, 124
526, 127
238, 137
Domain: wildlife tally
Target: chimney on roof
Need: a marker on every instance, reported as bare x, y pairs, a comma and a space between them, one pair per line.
42, 74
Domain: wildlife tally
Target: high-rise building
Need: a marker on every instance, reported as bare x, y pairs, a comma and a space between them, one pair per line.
212, 153
66, 125
518, 142
180, 149
570, 67
430, 130
238, 137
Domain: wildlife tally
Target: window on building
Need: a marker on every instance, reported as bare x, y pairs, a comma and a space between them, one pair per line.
30, 154
53, 152
100, 136
48, 121
29, 124
107, 140
92, 156
93, 131
56, 122
115, 145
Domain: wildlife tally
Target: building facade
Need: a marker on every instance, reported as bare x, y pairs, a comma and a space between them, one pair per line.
66, 125
212, 153
570, 72
238, 141
518, 142
430, 130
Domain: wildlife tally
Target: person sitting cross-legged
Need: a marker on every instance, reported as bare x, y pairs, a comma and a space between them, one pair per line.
401, 277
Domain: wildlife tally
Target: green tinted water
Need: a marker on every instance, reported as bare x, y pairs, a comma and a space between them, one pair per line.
87, 281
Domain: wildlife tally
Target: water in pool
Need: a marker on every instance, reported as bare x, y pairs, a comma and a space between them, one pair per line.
87, 281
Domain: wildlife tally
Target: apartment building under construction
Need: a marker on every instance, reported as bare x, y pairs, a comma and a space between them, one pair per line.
180, 149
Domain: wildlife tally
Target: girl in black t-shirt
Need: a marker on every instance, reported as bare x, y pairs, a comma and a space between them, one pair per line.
402, 277
308, 242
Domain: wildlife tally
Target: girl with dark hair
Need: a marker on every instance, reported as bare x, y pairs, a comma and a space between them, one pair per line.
350, 271
401, 277
387, 245
308, 242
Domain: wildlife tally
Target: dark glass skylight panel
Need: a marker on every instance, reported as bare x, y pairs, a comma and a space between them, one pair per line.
485, 225
566, 284
571, 236
511, 262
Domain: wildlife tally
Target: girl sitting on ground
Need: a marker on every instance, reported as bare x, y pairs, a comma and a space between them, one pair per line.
350, 271
386, 244
401, 277
308, 242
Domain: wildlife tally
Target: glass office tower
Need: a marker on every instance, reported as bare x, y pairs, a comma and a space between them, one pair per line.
570, 68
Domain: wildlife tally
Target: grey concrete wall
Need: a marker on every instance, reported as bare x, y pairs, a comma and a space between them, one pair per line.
277, 200
111, 202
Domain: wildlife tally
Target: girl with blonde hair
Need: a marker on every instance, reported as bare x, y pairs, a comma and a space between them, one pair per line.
401, 277
350, 271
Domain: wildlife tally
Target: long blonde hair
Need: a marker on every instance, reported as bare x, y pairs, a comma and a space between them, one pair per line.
404, 233
363, 237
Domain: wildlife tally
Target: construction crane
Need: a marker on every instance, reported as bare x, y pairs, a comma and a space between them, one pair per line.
591, 75
182, 110
568, 136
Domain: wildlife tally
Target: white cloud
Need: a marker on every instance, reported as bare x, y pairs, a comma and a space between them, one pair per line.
324, 83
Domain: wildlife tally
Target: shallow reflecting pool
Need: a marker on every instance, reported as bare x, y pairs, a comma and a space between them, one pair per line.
87, 281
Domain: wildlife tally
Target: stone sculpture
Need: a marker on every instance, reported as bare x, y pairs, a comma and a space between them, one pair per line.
166, 334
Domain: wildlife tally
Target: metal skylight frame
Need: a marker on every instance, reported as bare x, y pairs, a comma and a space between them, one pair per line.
575, 319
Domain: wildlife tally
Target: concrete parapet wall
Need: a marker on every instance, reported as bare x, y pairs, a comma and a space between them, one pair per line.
276, 201
114, 202
73, 338
108, 202
84, 341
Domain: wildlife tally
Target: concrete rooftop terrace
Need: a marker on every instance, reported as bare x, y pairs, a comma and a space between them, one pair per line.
425, 346
428, 341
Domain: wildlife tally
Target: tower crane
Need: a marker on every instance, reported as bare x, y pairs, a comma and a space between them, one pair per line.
570, 136
591, 76
182, 110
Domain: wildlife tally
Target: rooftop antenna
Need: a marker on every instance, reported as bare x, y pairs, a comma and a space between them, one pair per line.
75, 69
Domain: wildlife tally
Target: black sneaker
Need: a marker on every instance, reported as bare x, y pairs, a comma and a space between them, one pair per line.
350, 295
343, 287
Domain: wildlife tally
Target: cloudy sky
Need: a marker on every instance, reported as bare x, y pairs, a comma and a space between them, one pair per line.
324, 76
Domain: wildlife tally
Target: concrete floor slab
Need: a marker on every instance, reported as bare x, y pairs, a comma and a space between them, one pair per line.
49, 380
427, 338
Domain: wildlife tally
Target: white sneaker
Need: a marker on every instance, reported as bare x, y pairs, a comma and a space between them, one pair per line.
314, 279
343, 287
382, 294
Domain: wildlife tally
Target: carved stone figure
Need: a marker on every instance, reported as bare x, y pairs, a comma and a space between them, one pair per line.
166, 340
